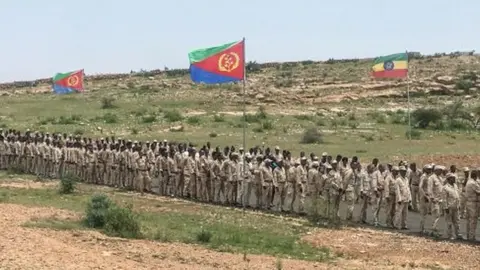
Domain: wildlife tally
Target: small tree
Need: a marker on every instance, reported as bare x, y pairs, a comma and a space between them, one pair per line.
312, 136
423, 117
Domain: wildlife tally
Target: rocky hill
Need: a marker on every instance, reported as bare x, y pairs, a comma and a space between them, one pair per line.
303, 82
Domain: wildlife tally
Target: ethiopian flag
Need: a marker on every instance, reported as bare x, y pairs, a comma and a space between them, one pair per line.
64, 83
220, 64
391, 66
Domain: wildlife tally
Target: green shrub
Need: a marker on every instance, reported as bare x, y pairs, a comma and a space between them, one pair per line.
110, 118
423, 117
193, 120
204, 236
311, 136
219, 118
149, 119
67, 184
173, 116
415, 134
122, 222
267, 125
96, 212
463, 85
108, 103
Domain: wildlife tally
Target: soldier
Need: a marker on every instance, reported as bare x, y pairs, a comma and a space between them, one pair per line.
367, 191
234, 166
472, 192
189, 175
89, 165
171, 173
151, 160
402, 197
424, 200
3, 152
203, 171
57, 159
258, 183
218, 177
246, 170
336, 191
451, 202
180, 177
435, 186
349, 179
312, 179
123, 166
279, 183
414, 180
267, 184
160, 172
390, 195
462, 182
29, 157
301, 175
141, 166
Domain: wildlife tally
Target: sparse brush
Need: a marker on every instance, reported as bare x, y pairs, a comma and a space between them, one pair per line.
108, 103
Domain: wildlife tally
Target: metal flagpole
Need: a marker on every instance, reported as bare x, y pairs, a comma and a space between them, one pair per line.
408, 100
244, 127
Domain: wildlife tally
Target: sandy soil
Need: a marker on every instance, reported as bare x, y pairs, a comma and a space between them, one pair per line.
34, 248
389, 249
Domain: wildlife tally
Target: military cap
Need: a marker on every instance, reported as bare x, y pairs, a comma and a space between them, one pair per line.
303, 158
154, 141
450, 175
165, 140
129, 141
395, 168
334, 162
428, 166
297, 162
439, 167
324, 154
466, 169
277, 147
402, 168
147, 142
328, 166
240, 149
135, 142
315, 158
315, 164
247, 155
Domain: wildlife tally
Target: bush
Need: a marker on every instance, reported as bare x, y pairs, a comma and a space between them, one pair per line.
311, 136
267, 125
415, 134
303, 117
96, 211
149, 119
423, 117
67, 184
193, 120
173, 116
102, 213
122, 222
212, 135
204, 236
110, 118
463, 85
219, 118
108, 103
253, 67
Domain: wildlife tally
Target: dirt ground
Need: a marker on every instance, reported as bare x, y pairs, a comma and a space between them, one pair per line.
33, 248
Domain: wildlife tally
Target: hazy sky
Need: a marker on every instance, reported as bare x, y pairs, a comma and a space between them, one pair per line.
40, 38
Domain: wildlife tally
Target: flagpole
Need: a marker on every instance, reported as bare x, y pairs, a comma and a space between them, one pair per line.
244, 126
408, 101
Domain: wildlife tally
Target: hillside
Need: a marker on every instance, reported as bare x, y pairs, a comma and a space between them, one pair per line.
352, 111
305, 82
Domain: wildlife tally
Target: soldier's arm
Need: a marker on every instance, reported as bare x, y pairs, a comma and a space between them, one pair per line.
445, 198
275, 178
398, 192
387, 187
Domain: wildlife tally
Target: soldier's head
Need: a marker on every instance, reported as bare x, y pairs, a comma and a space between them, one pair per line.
389, 166
277, 150
105, 146
345, 161
466, 172
334, 164
303, 161
403, 170
438, 170
370, 168
413, 166
338, 158
315, 165
450, 178
302, 154
201, 153
328, 168
324, 157
241, 150
453, 169
394, 170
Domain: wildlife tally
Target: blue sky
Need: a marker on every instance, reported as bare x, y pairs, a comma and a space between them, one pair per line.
107, 36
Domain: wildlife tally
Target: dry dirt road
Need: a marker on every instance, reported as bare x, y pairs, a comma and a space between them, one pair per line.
34, 248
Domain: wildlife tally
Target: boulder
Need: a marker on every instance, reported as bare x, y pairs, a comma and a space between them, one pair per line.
445, 80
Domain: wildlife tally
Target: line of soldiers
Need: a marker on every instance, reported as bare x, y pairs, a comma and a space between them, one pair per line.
259, 178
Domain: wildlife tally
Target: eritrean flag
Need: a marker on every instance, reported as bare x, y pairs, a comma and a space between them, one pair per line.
391, 66
220, 64
64, 83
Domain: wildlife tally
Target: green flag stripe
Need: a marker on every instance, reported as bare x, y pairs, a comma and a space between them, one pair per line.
392, 57
60, 76
201, 54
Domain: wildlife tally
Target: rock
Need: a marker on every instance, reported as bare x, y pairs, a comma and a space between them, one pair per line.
259, 96
445, 80
176, 128
473, 89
